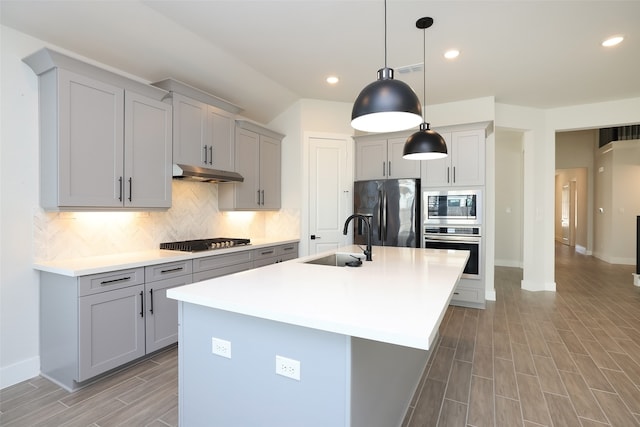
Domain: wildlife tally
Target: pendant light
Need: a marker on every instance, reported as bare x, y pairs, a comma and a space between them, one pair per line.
386, 105
425, 144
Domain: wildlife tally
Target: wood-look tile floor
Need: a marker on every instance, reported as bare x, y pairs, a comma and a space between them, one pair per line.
145, 394
569, 358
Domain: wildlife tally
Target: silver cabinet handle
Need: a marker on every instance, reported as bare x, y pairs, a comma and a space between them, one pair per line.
454, 174
262, 192
205, 154
383, 169
120, 186
171, 270
448, 175
258, 197
130, 187
211, 154
389, 168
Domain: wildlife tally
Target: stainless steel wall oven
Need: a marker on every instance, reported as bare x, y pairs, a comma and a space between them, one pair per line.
462, 238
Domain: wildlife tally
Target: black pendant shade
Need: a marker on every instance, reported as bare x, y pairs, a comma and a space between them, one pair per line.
425, 144
386, 105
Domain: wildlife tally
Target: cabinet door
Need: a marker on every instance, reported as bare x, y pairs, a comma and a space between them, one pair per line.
468, 157
220, 139
147, 147
111, 330
371, 160
91, 132
437, 173
161, 315
270, 172
189, 127
397, 167
248, 164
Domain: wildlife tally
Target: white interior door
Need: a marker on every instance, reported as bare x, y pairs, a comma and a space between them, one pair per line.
330, 199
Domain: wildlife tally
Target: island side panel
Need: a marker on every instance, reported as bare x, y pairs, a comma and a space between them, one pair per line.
245, 390
384, 380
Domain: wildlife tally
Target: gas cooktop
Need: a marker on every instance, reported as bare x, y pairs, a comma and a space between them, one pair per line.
204, 244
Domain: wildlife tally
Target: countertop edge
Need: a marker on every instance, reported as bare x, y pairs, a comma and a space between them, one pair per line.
82, 266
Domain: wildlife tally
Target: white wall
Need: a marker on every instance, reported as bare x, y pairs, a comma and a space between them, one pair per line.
617, 201
508, 190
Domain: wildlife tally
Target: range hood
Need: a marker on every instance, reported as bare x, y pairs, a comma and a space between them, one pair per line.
196, 173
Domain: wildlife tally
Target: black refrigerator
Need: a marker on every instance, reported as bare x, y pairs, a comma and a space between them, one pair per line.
395, 209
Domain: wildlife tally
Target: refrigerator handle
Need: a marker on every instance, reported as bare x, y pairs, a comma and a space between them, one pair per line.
384, 220
381, 213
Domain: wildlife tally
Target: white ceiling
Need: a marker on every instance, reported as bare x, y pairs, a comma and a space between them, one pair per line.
264, 55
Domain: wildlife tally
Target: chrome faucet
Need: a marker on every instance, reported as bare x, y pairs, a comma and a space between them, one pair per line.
365, 219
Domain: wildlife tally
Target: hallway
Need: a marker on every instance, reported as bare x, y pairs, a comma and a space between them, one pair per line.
569, 358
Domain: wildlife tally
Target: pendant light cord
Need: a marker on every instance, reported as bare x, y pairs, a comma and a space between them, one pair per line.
424, 74
385, 33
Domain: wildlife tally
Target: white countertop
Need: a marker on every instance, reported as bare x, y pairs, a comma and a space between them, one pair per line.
75, 267
400, 297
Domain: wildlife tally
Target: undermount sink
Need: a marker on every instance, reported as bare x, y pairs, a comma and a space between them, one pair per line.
339, 259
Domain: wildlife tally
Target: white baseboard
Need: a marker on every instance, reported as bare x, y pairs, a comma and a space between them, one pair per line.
528, 285
508, 263
18, 372
490, 294
636, 279
581, 250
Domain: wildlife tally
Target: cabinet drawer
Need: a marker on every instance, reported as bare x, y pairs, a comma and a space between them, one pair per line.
219, 261
165, 271
267, 252
222, 271
102, 282
287, 250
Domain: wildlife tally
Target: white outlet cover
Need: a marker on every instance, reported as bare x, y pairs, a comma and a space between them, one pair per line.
221, 347
289, 368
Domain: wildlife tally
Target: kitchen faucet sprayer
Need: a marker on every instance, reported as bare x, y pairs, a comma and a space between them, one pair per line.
365, 220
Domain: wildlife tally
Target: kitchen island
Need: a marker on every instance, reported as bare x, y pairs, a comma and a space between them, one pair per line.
358, 338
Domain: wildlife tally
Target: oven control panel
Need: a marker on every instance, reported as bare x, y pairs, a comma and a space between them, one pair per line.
452, 231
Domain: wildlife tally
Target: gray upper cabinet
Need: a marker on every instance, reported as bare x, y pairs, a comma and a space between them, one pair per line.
203, 127
105, 140
381, 158
258, 160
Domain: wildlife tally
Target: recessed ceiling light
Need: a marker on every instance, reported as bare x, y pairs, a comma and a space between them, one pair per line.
450, 54
332, 80
612, 41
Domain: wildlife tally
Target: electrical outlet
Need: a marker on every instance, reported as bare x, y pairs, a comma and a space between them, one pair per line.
221, 347
289, 368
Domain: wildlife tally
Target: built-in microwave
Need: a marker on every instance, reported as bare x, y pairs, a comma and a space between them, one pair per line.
452, 207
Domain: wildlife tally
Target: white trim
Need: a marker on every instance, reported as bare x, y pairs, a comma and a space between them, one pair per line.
20, 371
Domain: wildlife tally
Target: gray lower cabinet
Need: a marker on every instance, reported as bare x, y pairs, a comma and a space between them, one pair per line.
92, 324
274, 254
161, 313
111, 330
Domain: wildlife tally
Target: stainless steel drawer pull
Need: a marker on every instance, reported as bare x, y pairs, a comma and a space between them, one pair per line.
205, 155
130, 188
266, 252
171, 270
289, 248
122, 279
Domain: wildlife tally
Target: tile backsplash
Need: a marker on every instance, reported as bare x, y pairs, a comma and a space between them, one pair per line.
194, 215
